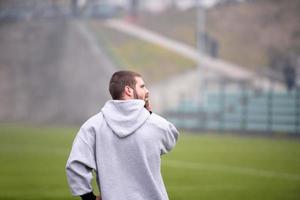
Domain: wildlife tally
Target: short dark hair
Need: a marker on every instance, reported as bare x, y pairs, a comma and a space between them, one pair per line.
119, 80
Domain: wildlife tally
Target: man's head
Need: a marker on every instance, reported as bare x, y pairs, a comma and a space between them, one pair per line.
125, 85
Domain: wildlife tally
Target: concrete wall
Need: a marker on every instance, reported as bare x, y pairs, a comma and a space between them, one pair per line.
51, 72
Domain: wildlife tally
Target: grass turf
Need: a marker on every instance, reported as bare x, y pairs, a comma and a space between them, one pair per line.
206, 166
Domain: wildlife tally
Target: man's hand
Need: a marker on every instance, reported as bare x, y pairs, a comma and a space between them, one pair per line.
98, 198
148, 105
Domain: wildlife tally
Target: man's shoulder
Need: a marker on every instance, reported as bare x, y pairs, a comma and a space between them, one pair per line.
89, 128
156, 117
93, 121
158, 121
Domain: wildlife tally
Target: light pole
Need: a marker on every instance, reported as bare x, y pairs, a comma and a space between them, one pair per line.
200, 27
200, 40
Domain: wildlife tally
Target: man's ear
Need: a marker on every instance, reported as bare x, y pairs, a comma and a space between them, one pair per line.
128, 91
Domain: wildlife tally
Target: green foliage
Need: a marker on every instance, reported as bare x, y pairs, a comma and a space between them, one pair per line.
245, 31
152, 61
204, 166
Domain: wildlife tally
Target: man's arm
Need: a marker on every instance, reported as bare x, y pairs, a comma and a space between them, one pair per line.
168, 133
170, 137
81, 164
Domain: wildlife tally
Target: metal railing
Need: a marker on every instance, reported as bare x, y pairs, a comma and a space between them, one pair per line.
241, 110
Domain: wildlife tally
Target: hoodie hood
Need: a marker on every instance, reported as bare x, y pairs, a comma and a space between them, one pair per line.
124, 117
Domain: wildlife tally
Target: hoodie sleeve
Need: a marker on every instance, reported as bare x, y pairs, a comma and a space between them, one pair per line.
170, 136
81, 163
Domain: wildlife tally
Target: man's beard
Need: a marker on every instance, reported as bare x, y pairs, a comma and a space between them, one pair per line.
136, 96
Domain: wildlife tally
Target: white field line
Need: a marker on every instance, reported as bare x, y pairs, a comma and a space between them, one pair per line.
230, 169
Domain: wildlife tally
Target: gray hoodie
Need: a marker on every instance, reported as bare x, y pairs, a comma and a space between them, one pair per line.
122, 144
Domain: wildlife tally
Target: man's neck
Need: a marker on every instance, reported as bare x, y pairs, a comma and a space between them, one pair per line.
125, 97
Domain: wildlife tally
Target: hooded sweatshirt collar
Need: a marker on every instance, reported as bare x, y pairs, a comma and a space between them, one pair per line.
124, 117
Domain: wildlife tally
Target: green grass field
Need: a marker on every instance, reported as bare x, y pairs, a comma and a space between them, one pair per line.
206, 166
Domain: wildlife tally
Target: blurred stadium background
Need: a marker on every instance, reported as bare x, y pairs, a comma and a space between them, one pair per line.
226, 72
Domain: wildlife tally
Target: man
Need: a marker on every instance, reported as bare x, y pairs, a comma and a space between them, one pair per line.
122, 144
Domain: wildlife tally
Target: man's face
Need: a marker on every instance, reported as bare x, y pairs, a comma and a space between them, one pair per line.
140, 92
